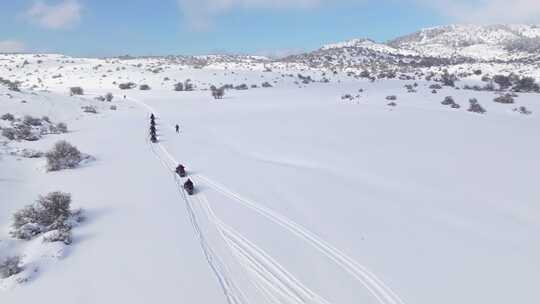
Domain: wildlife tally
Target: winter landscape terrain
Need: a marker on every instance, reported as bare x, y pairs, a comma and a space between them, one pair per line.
361, 172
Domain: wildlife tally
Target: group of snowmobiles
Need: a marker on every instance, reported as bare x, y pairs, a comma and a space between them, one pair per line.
180, 169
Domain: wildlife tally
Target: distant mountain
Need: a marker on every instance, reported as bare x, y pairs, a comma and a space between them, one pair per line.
438, 46
491, 42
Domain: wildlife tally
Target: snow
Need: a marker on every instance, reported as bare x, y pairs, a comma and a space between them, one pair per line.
300, 197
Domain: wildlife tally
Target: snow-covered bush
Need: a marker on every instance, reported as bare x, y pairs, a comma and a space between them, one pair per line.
475, 107
76, 91
144, 87
89, 109
113, 107
526, 84
9, 133
448, 100
109, 97
241, 87
506, 98
217, 93
63, 156
10, 266
266, 84
62, 127
523, 110
503, 81
8, 117
32, 121
179, 87
50, 214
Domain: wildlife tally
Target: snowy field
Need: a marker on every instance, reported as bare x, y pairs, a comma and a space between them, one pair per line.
301, 197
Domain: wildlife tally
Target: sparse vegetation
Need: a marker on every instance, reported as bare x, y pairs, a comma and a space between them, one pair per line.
10, 266
76, 91
63, 156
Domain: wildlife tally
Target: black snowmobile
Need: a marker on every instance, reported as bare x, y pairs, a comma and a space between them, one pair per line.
180, 170
188, 186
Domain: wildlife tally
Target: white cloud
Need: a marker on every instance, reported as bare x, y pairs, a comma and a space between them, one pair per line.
199, 13
61, 15
488, 11
11, 46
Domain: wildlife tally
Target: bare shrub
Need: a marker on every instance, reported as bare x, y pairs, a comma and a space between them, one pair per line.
391, 97
506, 98
475, 107
76, 91
9, 133
89, 109
32, 121
8, 117
144, 87
109, 97
62, 127
10, 267
127, 86
63, 156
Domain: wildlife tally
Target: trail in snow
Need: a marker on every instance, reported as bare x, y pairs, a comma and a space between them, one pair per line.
232, 293
377, 288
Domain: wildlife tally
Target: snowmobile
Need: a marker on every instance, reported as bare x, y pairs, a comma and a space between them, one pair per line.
188, 186
180, 170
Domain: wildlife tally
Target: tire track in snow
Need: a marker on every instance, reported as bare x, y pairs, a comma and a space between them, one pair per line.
231, 292
374, 285
262, 265
377, 288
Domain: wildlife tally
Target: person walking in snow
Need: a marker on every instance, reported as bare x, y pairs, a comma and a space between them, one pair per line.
177, 127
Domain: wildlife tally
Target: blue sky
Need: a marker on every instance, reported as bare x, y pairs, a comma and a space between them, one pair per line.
145, 27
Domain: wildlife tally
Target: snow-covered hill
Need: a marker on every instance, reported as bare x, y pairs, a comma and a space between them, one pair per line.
315, 182
493, 42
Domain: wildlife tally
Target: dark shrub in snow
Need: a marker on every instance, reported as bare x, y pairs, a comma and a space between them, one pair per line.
144, 87
241, 87
392, 104
217, 93
8, 117
523, 110
435, 86
113, 107
62, 127
526, 84
10, 267
504, 82
506, 98
76, 91
266, 85
127, 86
391, 97
32, 121
109, 97
9, 133
448, 100
89, 109
63, 156
475, 106
179, 87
